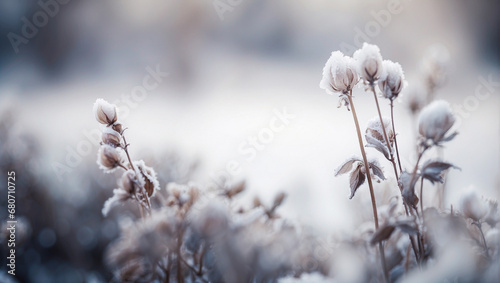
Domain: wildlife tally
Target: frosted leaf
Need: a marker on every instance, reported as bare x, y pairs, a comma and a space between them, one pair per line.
346, 166
435, 121
339, 74
432, 170
368, 62
119, 196
392, 80
147, 176
374, 135
105, 112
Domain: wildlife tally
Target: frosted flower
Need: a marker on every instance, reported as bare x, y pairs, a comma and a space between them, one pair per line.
369, 62
119, 196
392, 80
374, 135
111, 137
339, 74
472, 206
105, 112
435, 121
109, 158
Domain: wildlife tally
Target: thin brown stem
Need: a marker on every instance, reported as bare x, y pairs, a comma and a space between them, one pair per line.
395, 136
370, 185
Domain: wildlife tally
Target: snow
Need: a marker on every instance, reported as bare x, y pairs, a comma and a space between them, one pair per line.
339, 74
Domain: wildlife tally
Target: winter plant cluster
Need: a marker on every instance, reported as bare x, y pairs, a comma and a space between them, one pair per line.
190, 233
410, 236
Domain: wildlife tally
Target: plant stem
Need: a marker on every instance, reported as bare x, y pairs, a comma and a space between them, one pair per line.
370, 185
484, 239
395, 136
422, 197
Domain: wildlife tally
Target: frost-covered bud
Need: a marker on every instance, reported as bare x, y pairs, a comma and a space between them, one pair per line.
369, 62
392, 80
111, 137
339, 74
105, 112
435, 121
108, 158
127, 181
472, 206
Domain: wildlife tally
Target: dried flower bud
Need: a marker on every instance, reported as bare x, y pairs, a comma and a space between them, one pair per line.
127, 181
369, 63
392, 80
111, 137
109, 158
472, 206
435, 120
105, 112
339, 74
117, 127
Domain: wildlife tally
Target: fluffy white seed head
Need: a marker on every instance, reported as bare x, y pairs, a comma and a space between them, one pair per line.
375, 130
339, 74
369, 62
105, 112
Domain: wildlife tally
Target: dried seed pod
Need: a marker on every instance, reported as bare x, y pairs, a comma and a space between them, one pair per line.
392, 81
105, 112
109, 158
111, 137
472, 206
150, 182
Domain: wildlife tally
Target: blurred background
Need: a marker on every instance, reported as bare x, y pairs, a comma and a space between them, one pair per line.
198, 83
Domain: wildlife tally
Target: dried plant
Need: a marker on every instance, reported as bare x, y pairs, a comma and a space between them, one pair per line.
435, 122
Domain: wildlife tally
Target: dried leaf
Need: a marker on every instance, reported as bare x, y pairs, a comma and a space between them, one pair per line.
373, 142
382, 234
357, 179
346, 166
377, 170
148, 185
450, 137
432, 170
278, 200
